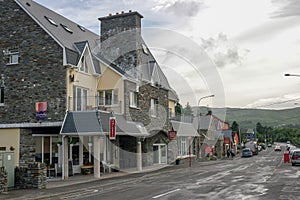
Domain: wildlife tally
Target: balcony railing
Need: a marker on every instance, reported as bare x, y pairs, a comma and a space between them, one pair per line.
92, 103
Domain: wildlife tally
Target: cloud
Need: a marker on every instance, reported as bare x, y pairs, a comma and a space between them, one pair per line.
222, 52
287, 8
187, 8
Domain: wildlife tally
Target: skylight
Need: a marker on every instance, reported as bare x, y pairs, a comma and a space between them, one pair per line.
66, 28
81, 28
51, 21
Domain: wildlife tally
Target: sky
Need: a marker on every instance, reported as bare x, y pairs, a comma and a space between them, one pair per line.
238, 50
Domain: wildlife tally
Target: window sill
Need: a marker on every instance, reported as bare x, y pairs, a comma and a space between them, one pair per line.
1, 104
12, 64
134, 107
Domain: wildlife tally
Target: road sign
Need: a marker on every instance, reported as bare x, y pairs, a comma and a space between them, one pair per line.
172, 135
112, 128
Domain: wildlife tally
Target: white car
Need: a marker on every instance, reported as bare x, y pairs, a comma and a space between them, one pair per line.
295, 159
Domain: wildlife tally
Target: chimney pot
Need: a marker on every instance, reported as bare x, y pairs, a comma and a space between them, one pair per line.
117, 13
122, 12
109, 14
130, 11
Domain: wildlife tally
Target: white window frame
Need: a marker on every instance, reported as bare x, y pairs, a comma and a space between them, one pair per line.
114, 97
83, 66
83, 99
183, 147
133, 99
154, 107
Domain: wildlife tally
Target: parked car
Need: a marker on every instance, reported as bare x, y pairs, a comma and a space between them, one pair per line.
269, 145
247, 152
295, 159
277, 148
263, 146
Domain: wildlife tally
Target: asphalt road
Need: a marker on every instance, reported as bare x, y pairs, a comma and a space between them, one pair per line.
264, 176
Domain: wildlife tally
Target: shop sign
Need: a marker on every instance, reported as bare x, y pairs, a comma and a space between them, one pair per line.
41, 110
172, 135
112, 128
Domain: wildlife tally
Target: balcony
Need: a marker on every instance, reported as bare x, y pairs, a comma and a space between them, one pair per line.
92, 103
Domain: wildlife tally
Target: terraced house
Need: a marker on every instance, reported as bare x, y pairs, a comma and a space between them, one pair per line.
62, 85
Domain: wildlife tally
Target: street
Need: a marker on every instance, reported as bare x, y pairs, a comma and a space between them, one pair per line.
264, 176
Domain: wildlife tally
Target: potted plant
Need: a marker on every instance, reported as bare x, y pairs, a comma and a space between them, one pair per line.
177, 161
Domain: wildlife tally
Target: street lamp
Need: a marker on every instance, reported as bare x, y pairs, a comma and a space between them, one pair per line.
292, 75
198, 145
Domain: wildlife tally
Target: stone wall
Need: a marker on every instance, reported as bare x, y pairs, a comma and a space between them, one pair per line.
31, 177
27, 147
40, 68
3, 180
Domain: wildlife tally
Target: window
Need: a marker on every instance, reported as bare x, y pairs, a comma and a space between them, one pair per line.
51, 21
154, 107
81, 28
67, 28
80, 99
108, 97
133, 99
83, 66
12, 56
1, 95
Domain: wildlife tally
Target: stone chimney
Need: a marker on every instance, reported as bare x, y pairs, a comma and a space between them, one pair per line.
121, 39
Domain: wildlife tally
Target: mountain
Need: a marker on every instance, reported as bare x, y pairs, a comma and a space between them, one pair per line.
248, 118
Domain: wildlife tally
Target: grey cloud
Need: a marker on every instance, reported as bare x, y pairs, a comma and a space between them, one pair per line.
287, 8
222, 52
184, 8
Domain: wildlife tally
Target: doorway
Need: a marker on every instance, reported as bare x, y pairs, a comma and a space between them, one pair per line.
159, 153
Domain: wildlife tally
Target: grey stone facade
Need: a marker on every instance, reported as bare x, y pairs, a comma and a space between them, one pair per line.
39, 71
27, 147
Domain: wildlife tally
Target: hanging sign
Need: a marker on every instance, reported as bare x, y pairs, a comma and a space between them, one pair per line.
172, 135
41, 110
112, 128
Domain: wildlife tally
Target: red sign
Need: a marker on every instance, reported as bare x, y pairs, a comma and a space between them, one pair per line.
112, 128
41, 110
172, 135
227, 140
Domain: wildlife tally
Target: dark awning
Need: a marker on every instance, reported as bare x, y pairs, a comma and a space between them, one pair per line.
91, 123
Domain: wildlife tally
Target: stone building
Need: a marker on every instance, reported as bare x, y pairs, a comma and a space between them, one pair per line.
61, 84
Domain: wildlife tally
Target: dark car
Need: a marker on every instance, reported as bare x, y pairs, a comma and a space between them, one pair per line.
247, 152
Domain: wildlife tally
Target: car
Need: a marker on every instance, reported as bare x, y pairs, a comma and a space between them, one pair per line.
269, 145
295, 159
259, 148
247, 152
277, 148
263, 146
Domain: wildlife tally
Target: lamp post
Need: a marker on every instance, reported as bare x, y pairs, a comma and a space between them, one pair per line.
198, 145
292, 75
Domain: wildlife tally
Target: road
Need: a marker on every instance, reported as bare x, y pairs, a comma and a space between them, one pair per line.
264, 176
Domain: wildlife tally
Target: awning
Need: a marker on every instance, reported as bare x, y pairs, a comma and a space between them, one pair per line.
89, 123
81, 123
184, 129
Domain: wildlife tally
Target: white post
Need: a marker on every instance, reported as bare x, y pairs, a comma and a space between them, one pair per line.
50, 150
65, 157
80, 150
139, 156
96, 156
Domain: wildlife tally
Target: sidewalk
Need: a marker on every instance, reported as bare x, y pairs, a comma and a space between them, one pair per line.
77, 179
57, 184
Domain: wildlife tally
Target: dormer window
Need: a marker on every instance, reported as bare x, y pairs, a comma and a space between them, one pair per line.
67, 28
51, 21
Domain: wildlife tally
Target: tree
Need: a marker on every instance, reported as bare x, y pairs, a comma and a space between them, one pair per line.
188, 110
235, 126
178, 109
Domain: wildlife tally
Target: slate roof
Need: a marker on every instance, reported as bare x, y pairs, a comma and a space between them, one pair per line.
184, 129
70, 38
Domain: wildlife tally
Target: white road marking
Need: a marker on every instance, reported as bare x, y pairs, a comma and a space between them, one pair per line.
165, 194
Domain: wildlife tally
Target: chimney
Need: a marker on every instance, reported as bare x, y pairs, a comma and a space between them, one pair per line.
121, 39
114, 24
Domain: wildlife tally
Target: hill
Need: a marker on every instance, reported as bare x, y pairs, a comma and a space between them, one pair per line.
248, 118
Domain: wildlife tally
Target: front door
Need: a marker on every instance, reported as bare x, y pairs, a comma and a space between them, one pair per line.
159, 153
